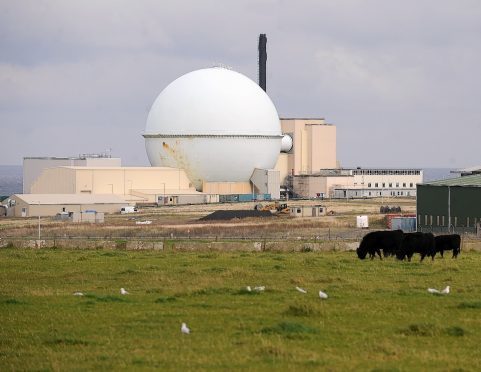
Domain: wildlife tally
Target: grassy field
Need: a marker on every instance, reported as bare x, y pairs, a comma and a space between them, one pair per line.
378, 316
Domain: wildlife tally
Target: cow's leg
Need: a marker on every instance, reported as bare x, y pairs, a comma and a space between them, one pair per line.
442, 253
422, 256
379, 253
409, 257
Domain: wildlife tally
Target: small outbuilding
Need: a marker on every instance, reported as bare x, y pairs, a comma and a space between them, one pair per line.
307, 211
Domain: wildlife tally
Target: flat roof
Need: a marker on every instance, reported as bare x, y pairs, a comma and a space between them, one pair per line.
302, 118
467, 170
54, 199
473, 181
118, 168
92, 156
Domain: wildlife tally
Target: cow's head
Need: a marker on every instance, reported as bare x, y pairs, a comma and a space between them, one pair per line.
361, 253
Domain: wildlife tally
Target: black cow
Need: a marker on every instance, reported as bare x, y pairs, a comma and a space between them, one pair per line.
447, 243
373, 242
418, 242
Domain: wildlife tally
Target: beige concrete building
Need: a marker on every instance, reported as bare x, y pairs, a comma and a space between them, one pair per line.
358, 183
134, 184
320, 185
34, 166
314, 147
32, 205
227, 188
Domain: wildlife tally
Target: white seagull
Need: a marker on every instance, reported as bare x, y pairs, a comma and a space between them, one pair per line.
123, 291
78, 294
260, 288
248, 288
184, 329
444, 291
322, 295
301, 290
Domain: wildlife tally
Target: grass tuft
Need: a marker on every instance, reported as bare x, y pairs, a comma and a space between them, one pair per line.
108, 298
470, 305
455, 331
13, 301
301, 310
67, 341
289, 328
165, 299
420, 329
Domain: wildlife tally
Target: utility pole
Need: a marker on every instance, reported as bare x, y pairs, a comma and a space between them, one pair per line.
39, 220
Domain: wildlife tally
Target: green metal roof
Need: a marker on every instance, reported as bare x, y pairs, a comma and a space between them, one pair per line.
474, 181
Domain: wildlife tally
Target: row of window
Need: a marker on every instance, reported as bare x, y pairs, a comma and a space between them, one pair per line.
387, 172
379, 193
383, 184
430, 220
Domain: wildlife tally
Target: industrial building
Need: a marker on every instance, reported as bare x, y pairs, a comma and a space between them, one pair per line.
449, 205
312, 147
33, 205
214, 135
358, 183
34, 166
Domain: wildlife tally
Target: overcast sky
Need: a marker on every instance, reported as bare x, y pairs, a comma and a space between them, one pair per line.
400, 79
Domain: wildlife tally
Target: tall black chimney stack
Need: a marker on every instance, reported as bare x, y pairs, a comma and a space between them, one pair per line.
262, 61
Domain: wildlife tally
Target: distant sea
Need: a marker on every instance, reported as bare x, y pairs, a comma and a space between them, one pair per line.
11, 180
11, 177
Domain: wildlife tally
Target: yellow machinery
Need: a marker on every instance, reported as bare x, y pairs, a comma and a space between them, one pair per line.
273, 207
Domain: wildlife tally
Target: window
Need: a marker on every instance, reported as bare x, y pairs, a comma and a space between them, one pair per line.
437, 220
425, 220
411, 184
397, 184
383, 184
390, 184
467, 221
430, 220
442, 221
298, 210
404, 184
369, 184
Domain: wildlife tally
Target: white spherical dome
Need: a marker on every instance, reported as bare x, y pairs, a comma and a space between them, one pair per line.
216, 124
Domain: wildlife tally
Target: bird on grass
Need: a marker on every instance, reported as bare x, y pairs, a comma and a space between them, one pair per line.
436, 291
78, 294
260, 288
302, 290
248, 288
322, 295
184, 329
123, 291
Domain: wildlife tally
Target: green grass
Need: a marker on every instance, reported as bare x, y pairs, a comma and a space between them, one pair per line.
378, 316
